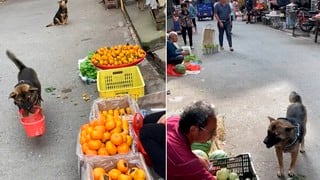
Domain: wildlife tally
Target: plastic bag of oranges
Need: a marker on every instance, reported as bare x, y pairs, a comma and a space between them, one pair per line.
131, 166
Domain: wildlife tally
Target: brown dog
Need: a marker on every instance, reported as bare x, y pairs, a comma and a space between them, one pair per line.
27, 92
61, 17
287, 134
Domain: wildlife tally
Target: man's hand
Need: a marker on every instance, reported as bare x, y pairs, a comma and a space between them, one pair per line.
274, 2
184, 53
221, 24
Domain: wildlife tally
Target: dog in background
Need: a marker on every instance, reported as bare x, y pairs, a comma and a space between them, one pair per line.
27, 93
287, 134
61, 17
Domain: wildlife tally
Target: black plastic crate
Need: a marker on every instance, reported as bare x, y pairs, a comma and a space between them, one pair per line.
241, 164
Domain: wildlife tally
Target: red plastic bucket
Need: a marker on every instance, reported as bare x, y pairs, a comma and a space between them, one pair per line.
34, 124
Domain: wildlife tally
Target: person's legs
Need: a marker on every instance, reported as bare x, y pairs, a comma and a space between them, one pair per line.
176, 60
221, 31
194, 23
190, 35
184, 35
153, 117
153, 139
227, 28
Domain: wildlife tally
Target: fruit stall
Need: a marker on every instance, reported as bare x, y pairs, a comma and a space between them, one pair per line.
222, 164
107, 145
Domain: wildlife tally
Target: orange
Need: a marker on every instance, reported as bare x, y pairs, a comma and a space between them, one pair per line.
106, 136
98, 172
84, 126
119, 123
101, 121
103, 151
89, 130
94, 144
111, 148
139, 175
110, 111
93, 122
123, 148
116, 130
123, 165
128, 110
124, 177
84, 147
104, 113
83, 139
125, 124
110, 124
122, 111
91, 152
114, 173
116, 138
132, 171
129, 140
99, 128
83, 132
96, 135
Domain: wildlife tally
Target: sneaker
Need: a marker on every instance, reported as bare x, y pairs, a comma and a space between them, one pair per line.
221, 48
191, 47
231, 49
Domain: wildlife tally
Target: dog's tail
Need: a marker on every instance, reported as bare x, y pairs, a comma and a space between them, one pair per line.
295, 97
15, 60
49, 25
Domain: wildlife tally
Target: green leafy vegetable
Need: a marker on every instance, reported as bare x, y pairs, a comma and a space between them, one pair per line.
87, 69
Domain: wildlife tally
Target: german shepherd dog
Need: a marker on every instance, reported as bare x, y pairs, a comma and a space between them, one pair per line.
27, 92
287, 134
61, 17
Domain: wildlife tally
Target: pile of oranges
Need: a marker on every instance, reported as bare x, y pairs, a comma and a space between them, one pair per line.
108, 135
120, 172
117, 55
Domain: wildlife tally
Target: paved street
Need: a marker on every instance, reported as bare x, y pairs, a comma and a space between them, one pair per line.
53, 52
254, 82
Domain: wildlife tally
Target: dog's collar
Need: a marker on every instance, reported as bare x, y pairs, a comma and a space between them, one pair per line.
23, 82
298, 133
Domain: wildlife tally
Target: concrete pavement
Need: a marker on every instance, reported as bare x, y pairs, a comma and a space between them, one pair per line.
254, 82
53, 52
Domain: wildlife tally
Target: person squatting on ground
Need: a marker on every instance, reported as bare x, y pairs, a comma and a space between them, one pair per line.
153, 140
186, 24
223, 15
174, 55
197, 123
193, 13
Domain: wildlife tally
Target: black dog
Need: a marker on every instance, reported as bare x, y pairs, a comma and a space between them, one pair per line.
27, 92
61, 17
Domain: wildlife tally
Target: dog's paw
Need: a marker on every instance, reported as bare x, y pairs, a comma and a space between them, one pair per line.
280, 174
290, 173
302, 151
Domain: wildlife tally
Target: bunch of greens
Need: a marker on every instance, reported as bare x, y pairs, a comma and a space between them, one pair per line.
192, 58
87, 69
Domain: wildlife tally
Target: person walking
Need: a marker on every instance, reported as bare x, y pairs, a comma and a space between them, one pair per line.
193, 13
223, 16
186, 24
249, 8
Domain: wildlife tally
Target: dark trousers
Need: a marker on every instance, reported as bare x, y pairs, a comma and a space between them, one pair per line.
184, 31
153, 139
226, 28
175, 60
194, 23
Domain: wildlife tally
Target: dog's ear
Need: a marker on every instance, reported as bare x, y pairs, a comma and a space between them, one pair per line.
13, 94
271, 119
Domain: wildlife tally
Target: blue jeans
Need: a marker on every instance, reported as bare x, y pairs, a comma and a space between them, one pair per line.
227, 28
